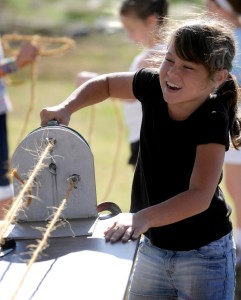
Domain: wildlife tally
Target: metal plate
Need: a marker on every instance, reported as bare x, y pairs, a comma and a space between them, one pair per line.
71, 156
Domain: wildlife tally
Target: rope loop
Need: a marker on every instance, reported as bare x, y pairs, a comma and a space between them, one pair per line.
48, 46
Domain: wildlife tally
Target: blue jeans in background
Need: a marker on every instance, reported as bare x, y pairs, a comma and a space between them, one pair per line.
207, 273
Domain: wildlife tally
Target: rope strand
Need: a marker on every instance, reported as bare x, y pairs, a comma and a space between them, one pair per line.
117, 150
42, 244
42, 43
18, 202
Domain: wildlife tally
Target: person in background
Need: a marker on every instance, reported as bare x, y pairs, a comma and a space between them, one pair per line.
142, 20
189, 106
26, 56
230, 10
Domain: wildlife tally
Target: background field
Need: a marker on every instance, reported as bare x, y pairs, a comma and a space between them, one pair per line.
100, 47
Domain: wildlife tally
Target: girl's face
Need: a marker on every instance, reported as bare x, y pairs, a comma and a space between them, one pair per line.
185, 85
139, 31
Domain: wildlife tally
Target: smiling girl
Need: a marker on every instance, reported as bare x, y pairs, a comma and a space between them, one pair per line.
189, 110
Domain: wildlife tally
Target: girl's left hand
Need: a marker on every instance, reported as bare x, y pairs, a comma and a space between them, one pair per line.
126, 227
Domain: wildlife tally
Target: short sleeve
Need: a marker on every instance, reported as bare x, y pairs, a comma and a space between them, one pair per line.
214, 128
144, 82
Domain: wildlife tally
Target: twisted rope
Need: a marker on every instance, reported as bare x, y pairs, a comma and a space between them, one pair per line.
117, 149
41, 41
18, 202
43, 44
42, 244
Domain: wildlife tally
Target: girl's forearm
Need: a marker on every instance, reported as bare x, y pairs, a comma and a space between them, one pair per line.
180, 207
91, 92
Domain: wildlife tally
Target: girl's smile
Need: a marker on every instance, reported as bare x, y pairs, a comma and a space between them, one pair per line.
185, 85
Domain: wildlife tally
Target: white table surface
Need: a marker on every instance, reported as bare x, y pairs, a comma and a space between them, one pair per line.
79, 268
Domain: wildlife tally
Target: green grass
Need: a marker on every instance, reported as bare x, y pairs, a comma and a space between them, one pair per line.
55, 81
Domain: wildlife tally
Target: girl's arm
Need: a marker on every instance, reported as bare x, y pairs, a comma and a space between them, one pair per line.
204, 180
95, 90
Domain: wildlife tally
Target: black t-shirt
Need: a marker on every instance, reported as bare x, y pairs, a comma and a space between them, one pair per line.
166, 160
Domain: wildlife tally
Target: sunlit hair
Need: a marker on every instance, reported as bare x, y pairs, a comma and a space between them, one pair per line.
142, 9
210, 42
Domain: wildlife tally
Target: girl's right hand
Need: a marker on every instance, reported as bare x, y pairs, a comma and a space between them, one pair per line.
58, 113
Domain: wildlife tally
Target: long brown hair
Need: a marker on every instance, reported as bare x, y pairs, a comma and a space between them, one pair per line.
212, 44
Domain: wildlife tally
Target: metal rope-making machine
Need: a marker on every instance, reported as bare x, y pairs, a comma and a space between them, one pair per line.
69, 162
55, 227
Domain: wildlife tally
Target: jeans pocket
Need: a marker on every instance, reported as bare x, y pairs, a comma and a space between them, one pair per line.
217, 249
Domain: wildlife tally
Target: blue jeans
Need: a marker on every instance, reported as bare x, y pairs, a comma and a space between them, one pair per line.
207, 273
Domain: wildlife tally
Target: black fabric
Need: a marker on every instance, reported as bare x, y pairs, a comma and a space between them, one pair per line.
166, 158
4, 181
134, 148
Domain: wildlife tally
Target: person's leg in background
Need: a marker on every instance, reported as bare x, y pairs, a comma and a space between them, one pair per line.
6, 189
233, 185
